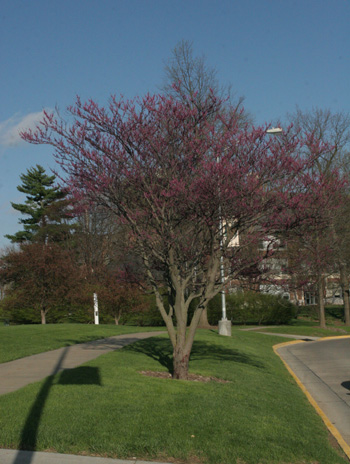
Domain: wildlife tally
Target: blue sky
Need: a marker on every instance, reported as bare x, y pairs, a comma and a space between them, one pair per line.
275, 53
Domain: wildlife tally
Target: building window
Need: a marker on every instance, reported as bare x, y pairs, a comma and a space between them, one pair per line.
277, 265
309, 298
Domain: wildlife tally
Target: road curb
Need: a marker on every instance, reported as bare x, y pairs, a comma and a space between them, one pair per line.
333, 430
333, 337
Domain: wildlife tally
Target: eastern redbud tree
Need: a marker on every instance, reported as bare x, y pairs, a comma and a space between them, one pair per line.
176, 174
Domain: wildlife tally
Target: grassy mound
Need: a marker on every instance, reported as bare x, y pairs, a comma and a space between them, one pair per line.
19, 341
107, 407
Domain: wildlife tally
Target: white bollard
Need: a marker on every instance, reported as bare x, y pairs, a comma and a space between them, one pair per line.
96, 309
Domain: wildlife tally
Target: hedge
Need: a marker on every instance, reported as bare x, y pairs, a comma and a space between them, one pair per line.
252, 308
242, 308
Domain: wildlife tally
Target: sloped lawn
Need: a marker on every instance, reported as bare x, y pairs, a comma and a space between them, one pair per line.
24, 340
108, 408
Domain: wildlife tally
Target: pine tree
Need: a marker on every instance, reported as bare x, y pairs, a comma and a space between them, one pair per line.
44, 207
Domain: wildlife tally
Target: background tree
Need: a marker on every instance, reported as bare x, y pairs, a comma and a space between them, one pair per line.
104, 255
341, 234
39, 276
334, 129
330, 127
100, 242
170, 171
310, 263
45, 208
118, 296
187, 75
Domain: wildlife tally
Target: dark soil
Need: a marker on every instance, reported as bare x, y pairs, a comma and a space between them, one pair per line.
191, 377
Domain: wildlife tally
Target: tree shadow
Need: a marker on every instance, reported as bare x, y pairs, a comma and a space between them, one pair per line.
203, 350
156, 348
161, 351
77, 376
346, 385
105, 343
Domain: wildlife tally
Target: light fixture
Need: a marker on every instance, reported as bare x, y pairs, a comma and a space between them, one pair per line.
274, 131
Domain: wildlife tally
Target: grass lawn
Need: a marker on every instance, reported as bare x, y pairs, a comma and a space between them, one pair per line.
301, 327
106, 407
24, 340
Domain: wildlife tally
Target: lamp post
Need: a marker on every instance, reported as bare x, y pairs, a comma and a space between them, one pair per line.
224, 323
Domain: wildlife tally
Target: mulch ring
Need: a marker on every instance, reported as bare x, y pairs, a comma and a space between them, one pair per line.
191, 377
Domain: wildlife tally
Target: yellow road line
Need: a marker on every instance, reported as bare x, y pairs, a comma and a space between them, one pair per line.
334, 431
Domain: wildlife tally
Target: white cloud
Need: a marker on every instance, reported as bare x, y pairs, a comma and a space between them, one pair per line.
10, 129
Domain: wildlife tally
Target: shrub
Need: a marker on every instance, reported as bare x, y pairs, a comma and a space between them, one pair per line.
149, 317
308, 311
252, 308
73, 313
17, 313
335, 312
312, 312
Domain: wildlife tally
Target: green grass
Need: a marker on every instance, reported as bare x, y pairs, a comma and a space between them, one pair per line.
106, 407
305, 330
309, 328
25, 340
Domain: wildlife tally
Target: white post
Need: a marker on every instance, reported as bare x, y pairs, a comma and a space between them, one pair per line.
96, 309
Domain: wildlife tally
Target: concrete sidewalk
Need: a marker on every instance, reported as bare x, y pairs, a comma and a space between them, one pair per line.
21, 372
36, 457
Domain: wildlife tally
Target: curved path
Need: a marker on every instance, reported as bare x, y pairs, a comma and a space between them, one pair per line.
323, 369
21, 372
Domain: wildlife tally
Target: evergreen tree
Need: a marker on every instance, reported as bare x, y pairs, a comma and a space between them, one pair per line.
44, 207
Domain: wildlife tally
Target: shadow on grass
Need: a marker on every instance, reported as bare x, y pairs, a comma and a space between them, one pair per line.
161, 351
108, 343
156, 348
84, 375
346, 385
112, 343
78, 376
203, 350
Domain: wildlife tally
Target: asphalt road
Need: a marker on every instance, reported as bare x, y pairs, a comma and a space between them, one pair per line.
323, 367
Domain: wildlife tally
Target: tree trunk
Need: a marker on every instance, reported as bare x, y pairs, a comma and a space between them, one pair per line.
116, 320
203, 321
346, 307
180, 363
321, 310
43, 316
344, 283
183, 345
